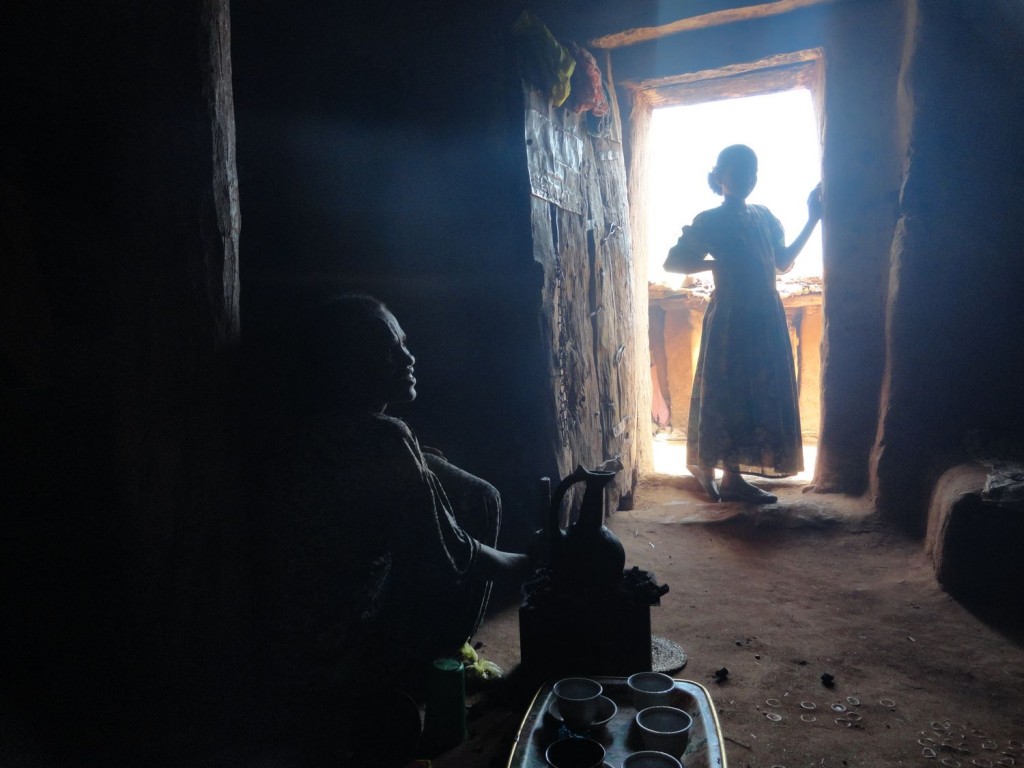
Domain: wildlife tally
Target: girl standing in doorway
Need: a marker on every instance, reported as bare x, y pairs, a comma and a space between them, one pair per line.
744, 416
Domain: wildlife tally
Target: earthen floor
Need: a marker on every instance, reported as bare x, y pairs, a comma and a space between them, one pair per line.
781, 595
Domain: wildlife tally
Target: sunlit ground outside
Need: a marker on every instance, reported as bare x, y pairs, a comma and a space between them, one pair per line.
684, 144
670, 459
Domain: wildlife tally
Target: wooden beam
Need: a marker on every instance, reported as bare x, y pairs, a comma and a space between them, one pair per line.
718, 89
780, 73
731, 70
702, 21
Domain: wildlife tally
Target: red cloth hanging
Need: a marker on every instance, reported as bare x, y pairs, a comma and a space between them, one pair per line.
587, 91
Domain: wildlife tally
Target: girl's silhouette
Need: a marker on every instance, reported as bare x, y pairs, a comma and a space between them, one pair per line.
744, 416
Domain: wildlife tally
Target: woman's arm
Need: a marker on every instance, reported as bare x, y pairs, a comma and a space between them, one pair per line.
784, 259
497, 565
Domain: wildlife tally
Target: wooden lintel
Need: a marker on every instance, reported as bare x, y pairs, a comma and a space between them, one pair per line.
713, 19
788, 65
717, 88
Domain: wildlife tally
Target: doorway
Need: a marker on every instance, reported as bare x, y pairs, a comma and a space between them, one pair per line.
682, 144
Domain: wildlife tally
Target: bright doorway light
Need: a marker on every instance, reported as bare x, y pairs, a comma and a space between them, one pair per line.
684, 144
670, 459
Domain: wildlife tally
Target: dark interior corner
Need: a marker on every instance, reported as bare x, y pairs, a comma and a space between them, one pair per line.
178, 184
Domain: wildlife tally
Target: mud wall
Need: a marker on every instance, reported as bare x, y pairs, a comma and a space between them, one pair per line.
955, 332
121, 571
861, 172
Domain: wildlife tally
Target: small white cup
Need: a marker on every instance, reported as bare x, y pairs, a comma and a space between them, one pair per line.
578, 700
650, 689
664, 729
651, 759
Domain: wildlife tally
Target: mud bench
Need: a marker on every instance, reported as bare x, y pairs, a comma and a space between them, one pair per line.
975, 531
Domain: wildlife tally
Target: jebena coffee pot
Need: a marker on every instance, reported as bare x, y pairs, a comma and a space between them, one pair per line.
586, 553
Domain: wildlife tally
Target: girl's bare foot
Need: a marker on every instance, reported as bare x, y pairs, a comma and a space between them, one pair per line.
706, 477
735, 488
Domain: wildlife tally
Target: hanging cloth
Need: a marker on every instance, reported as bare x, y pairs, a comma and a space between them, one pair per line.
543, 61
587, 88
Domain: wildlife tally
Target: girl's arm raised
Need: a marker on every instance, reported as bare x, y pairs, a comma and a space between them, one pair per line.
785, 258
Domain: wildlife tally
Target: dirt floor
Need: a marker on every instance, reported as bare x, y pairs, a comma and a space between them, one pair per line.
779, 596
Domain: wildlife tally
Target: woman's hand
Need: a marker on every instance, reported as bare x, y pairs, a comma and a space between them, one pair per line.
814, 204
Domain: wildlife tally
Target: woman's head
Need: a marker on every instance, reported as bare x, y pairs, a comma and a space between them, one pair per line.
352, 353
735, 173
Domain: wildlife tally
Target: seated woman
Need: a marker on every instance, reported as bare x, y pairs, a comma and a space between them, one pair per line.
383, 551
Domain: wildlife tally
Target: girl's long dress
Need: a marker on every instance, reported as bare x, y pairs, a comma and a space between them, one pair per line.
744, 412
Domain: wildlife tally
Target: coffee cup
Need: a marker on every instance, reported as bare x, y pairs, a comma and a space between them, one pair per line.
575, 752
578, 700
664, 729
649, 689
651, 759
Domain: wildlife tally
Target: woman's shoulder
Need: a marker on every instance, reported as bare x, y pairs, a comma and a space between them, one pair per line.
389, 425
365, 433
386, 433
375, 443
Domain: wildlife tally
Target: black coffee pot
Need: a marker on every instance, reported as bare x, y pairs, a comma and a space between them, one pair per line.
586, 553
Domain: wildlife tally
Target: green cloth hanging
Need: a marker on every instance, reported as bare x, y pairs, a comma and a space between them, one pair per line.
543, 60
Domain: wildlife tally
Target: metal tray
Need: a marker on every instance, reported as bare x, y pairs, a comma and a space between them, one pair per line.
538, 728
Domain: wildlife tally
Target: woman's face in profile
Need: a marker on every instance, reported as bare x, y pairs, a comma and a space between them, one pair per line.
395, 374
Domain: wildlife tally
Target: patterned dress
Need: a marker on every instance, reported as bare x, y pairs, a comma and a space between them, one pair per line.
744, 408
